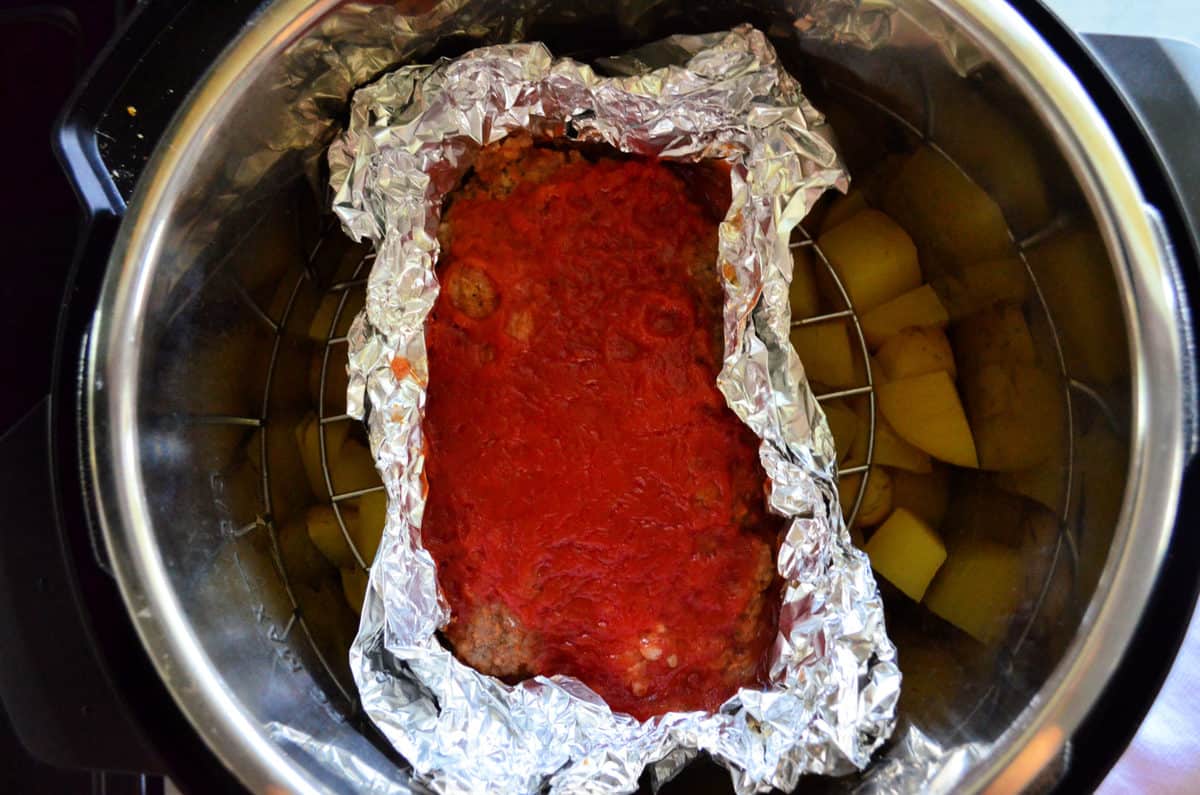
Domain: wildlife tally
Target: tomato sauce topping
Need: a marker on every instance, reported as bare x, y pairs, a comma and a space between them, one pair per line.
594, 508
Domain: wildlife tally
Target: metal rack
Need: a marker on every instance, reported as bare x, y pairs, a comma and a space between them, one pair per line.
867, 389
297, 619
1065, 550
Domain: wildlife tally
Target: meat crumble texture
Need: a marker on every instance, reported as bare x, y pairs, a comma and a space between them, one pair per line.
594, 508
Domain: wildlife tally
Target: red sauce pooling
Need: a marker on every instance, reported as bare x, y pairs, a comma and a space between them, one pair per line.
586, 480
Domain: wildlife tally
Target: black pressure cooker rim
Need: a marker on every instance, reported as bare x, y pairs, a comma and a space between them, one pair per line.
127, 68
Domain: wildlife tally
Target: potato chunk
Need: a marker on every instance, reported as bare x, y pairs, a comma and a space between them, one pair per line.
802, 293
354, 587
951, 219
892, 451
926, 412
916, 351
877, 498
372, 515
926, 495
998, 335
874, 258
920, 308
1102, 459
977, 130
906, 552
302, 560
1044, 483
1075, 276
843, 209
1016, 415
843, 424
978, 589
327, 536
353, 468
825, 352
974, 287
308, 437
980, 510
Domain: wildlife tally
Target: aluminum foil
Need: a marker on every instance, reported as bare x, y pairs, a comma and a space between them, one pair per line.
833, 684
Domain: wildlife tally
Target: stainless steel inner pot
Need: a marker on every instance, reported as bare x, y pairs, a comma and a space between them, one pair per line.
219, 331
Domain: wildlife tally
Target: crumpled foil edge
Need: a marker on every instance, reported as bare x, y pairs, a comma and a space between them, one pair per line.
833, 687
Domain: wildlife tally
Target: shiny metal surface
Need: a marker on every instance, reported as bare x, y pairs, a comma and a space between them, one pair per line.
209, 606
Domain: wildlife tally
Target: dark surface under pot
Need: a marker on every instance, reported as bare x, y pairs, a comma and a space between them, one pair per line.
77, 729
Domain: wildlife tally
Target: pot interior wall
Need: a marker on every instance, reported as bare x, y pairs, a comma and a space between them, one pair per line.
255, 284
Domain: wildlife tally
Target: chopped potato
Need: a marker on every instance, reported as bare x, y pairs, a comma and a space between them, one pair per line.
1045, 483
978, 509
877, 498
893, 451
916, 351
353, 468
328, 620
878, 180
356, 302
366, 535
878, 376
289, 464
308, 436
858, 448
337, 378
253, 448
978, 588
326, 534
843, 424
302, 561
856, 536
951, 219
874, 258
1076, 278
998, 335
848, 486
803, 291
906, 552
920, 308
926, 412
1039, 536
1016, 414
372, 513
974, 287
843, 209
354, 587
890, 450
1101, 461
926, 495
321, 326
977, 130
825, 352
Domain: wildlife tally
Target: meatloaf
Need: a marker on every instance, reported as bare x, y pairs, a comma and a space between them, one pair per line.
594, 508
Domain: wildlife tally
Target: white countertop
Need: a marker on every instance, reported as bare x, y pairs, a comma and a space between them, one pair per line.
1174, 19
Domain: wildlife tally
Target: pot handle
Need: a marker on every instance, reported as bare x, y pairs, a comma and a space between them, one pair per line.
1183, 320
59, 700
76, 684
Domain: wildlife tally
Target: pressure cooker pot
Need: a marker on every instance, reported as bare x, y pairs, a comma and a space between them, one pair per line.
210, 395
